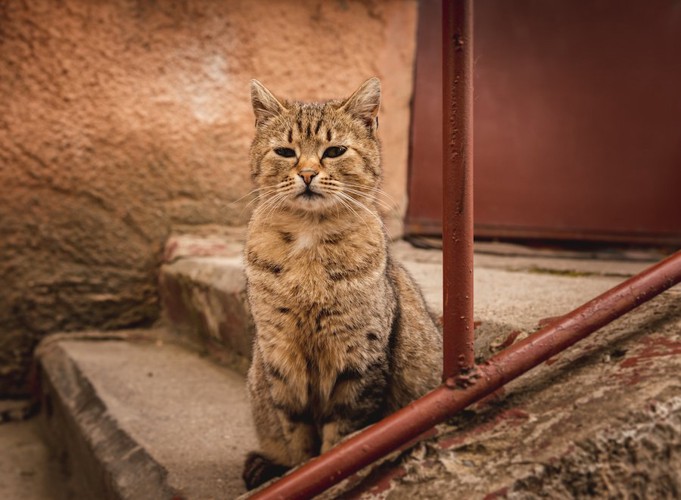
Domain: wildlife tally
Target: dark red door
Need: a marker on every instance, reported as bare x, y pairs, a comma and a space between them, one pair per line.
577, 121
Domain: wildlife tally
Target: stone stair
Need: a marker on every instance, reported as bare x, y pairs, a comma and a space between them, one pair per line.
139, 417
162, 413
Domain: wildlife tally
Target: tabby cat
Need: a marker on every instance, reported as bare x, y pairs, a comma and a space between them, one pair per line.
343, 334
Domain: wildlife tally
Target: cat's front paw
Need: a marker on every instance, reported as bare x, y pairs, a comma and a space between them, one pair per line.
259, 469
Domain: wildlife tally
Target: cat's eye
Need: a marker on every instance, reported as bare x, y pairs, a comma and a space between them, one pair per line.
334, 151
285, 152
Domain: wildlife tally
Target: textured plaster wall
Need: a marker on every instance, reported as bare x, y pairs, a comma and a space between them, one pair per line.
121, 121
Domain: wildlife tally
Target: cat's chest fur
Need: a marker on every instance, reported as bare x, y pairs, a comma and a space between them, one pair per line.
314, 264
314, 293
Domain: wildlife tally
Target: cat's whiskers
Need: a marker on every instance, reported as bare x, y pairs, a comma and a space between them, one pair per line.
341, 189
264, 205
261, 193
376, 189
378, 201
373, 193
258, 198
345, 204
360, 205
287, 188
260, 190
273, 201
281, 201
268, 208
246, 195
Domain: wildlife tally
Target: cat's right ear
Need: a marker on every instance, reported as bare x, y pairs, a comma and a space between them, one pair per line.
265, 105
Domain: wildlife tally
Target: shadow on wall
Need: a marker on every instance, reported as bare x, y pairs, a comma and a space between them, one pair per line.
123, 121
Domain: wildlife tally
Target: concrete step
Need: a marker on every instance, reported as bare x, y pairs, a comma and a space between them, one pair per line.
138, 417
203, 296
203, 290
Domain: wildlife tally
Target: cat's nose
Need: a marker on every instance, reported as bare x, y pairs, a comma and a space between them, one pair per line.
307, 176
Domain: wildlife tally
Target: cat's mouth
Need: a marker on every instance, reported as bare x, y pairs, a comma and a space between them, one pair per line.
308, 194
311, 200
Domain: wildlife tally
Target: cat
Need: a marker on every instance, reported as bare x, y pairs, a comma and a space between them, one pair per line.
343, 335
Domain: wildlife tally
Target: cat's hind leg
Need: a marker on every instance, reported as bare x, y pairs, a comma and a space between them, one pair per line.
358, 399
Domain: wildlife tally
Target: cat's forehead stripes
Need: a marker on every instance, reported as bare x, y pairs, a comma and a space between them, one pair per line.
309, 121
299, 121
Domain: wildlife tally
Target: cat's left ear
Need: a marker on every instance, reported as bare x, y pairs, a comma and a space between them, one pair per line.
365, 102
265, 105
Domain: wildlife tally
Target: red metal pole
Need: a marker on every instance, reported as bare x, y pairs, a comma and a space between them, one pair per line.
457, 191
459, 392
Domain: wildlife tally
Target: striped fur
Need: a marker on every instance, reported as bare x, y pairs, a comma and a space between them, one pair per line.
343, 334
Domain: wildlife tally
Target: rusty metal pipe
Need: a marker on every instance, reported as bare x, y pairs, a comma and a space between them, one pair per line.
457, 191
459, 392
578, 324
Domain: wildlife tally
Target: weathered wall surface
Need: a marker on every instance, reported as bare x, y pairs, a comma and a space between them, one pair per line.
121, 121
